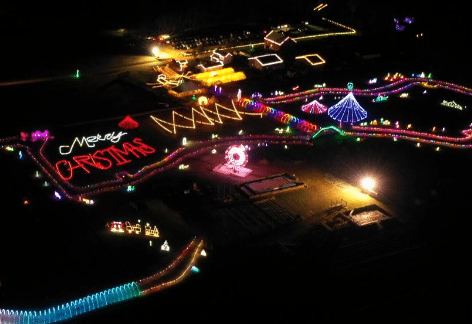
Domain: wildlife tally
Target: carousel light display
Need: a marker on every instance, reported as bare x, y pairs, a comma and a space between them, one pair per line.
348, 110
314, 107
236, 156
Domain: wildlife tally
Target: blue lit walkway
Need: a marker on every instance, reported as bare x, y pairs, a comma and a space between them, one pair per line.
111, 296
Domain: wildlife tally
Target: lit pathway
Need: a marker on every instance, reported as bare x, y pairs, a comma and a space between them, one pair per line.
173, 274
388, 89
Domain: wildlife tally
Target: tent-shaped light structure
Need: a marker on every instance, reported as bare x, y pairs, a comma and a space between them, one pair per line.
128, 123
314, 107
347, 110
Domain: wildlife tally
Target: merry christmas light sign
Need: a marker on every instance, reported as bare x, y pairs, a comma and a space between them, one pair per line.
103, 159
90, 141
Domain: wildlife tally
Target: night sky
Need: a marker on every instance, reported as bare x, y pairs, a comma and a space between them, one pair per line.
89, 15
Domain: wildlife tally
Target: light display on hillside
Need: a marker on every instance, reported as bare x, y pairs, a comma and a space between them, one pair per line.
348, 110
314, 107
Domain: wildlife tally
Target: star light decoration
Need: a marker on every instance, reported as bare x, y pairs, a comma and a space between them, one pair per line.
348, 110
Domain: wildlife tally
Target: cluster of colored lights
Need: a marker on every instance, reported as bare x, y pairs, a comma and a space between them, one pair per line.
278, 115
35, 136
225, 75
174, 159
393, 77
179, 155
380, 98
120, 227
406, 20
190, 264
395, 87
466, 138
419, 137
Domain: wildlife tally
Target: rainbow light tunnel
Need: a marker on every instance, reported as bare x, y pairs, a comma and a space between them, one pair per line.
72, 309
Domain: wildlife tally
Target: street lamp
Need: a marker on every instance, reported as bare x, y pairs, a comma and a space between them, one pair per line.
368, 185
155, 51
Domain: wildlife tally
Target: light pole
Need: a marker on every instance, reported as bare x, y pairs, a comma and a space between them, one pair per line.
368, 185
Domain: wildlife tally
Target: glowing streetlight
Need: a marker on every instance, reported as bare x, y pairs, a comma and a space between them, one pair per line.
155, 51
368, 184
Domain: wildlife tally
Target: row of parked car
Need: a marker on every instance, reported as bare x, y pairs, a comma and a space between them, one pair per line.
189, 42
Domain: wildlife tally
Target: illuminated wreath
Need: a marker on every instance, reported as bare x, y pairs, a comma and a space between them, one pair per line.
236, 155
